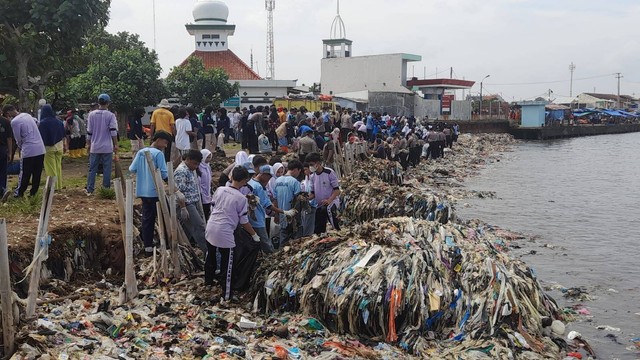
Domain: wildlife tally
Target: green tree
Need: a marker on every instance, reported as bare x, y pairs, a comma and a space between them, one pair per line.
37, 35
198, 86
121, 66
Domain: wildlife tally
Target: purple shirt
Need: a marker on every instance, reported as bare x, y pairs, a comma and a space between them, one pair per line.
205, 183
323, 185
102, 126
27, 136
229, 209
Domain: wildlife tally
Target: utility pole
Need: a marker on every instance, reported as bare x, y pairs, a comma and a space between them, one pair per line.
572, 67
619, 76
480, 108
270, 5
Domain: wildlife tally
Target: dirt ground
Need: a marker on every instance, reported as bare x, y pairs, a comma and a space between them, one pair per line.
72, 208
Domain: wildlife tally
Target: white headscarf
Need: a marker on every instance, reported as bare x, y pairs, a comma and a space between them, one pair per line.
241, 157
205, 154
272, 182
277, 166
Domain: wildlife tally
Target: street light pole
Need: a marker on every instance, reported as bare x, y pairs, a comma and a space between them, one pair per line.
480, 109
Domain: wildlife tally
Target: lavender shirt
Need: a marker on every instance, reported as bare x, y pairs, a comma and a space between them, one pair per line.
323, 185
27, 136
102, 126
228, 211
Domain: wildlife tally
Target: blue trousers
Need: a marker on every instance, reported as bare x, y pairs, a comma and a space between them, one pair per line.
94, 159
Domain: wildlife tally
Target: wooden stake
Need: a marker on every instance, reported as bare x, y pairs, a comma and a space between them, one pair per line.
41, 248
164, 265
8, 327
165, 213
129, 269
120, 200
174, 223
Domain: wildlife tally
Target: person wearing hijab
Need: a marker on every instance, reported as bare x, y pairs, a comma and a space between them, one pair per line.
205, 182
241, 158
52, 132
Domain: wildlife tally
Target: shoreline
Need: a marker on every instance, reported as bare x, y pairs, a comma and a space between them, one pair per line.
450, 176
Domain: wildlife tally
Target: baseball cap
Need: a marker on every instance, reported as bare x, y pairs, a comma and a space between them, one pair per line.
104, 98
249, 166
266, 169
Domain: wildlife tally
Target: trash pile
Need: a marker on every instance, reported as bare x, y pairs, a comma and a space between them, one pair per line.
468, 156
367, 199
178, 321
427, 287
388, 171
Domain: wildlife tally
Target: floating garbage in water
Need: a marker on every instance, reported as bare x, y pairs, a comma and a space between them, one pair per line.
418, 284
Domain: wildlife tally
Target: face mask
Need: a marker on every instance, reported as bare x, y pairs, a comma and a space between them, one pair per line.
312, 169
326, 138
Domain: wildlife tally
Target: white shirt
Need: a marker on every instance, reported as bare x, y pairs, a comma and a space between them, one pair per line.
182, 138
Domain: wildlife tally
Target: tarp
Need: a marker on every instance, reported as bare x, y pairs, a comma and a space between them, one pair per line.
555, 114
613, 113
628, 113
584, 113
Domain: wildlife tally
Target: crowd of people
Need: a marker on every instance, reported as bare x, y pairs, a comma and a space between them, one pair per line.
266, 196
301, 196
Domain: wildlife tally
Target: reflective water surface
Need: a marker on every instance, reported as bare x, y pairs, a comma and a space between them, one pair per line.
580, 199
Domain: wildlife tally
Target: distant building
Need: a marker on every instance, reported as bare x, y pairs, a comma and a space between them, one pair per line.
379, 82
606, 101
211, 34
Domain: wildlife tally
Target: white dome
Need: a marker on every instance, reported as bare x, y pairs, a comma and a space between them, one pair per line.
210, 12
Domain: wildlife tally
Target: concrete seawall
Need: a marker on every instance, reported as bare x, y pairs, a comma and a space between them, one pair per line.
557, 132
542, 133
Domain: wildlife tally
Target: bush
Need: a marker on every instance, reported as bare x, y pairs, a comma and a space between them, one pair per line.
106, 193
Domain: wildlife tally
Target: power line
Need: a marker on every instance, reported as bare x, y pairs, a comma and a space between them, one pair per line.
554, 81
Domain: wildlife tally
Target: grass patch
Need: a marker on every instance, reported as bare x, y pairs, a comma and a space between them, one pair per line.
74, 182
124, 145
28, 205
106, 193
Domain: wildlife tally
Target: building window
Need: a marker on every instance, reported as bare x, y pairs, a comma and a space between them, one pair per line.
215, 36
206, 36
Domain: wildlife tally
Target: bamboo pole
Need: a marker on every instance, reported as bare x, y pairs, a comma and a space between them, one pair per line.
173, 225
41, 248
164, 265
120, 200
129, 270
164, 214
8, 327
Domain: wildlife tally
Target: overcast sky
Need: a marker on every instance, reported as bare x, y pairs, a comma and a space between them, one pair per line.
525, 45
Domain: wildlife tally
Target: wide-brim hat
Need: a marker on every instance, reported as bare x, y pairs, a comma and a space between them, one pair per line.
164, 103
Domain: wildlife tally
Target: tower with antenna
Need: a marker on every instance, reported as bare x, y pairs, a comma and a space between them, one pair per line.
270, 5
337, 46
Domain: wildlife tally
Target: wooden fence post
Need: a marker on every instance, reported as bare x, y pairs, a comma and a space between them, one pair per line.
129, 269
173, 225
164, 265
8, 327
41, 248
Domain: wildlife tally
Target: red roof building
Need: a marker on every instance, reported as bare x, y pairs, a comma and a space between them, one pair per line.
227, 60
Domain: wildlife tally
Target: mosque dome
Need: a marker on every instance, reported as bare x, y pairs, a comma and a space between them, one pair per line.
210, 12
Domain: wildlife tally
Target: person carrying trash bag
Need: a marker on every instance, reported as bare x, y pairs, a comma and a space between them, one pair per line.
229, 210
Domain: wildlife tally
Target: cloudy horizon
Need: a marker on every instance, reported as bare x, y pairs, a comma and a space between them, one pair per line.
525, 46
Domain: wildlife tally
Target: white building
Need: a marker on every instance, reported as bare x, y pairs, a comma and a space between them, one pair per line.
211, 34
